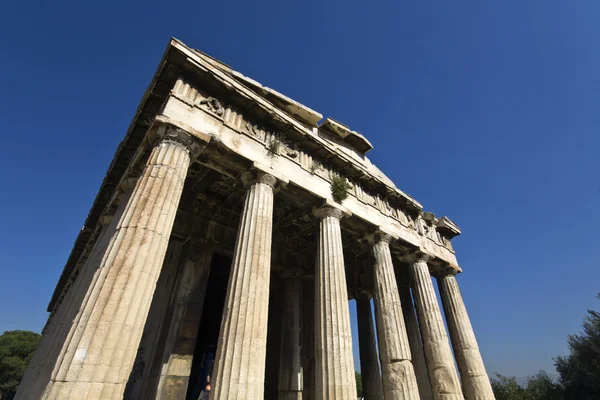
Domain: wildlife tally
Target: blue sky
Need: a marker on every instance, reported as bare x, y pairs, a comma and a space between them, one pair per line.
485, 112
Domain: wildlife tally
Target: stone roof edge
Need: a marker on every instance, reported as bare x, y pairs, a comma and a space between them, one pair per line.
275, 112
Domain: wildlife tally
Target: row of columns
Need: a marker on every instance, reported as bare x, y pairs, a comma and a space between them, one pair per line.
97, 354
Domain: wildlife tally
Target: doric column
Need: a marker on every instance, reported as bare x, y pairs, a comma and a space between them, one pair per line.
414, 339
239, 370
335, 378
440, 364
308, 342
290, 363
59, 327
399, 381
101, 348
369, 359
176, 359
475, 382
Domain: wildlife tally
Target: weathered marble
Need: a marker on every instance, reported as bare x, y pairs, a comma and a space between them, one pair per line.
60, 327
290, 362
239, 368
415, 342
308, 340
99, 355
475, 381
177, 356
399, 381
335, 379
445, 384
369, 358
143, 379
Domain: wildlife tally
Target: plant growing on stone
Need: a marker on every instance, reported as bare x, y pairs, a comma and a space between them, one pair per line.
275, 144
315, 166
339, 188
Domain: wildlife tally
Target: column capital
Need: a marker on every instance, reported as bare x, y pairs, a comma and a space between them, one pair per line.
167, 132
263, 174
380, 235
417, 257
444, 271
331, 209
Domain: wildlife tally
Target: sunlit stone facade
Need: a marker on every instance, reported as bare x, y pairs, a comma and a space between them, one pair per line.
218, 251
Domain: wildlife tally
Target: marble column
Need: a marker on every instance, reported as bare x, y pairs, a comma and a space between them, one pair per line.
308, 340
290, 362
335, 376
475, 381
239, 370
414, 340
440, 364
101, 349
399, 380
369, 359
177, 356
59, 327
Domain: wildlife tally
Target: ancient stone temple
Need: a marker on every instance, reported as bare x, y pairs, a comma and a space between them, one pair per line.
232, 228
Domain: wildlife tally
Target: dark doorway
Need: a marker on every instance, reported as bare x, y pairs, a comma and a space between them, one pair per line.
210, 324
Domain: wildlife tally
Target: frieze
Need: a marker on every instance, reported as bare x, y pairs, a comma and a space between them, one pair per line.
236, 119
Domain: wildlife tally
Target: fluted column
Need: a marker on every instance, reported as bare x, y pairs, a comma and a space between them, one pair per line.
440, 364
416, 345
475, 381
239, 370
60, 326
335, 378
290, 363
99, 355
369, 359
399, 381
177, 357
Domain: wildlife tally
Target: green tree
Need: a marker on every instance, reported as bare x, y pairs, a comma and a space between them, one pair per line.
538, 387
506, 388
580, 370
359, 389
16, 349
542, 387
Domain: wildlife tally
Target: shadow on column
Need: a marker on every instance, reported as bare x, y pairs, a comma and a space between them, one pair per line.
210, 324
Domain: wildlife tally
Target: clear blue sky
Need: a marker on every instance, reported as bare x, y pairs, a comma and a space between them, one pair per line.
483, 111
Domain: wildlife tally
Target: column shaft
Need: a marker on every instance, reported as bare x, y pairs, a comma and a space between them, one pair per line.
399, 381
416, 345
335, 377
290, 363
475, 381
98, 356
440, 364
240, 361
369, 359
177, 357
59, 327
308, 343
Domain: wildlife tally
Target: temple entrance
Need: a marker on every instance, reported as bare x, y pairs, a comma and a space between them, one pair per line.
210, 324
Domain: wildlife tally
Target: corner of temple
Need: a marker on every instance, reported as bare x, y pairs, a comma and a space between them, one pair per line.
164, 128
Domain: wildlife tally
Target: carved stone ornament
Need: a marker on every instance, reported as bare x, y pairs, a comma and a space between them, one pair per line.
213, 105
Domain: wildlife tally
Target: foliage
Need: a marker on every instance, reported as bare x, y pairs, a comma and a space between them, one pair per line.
16, 349
506, 388
580, 370
339, 188
538, 387
275, 144
359, 388
315, 166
